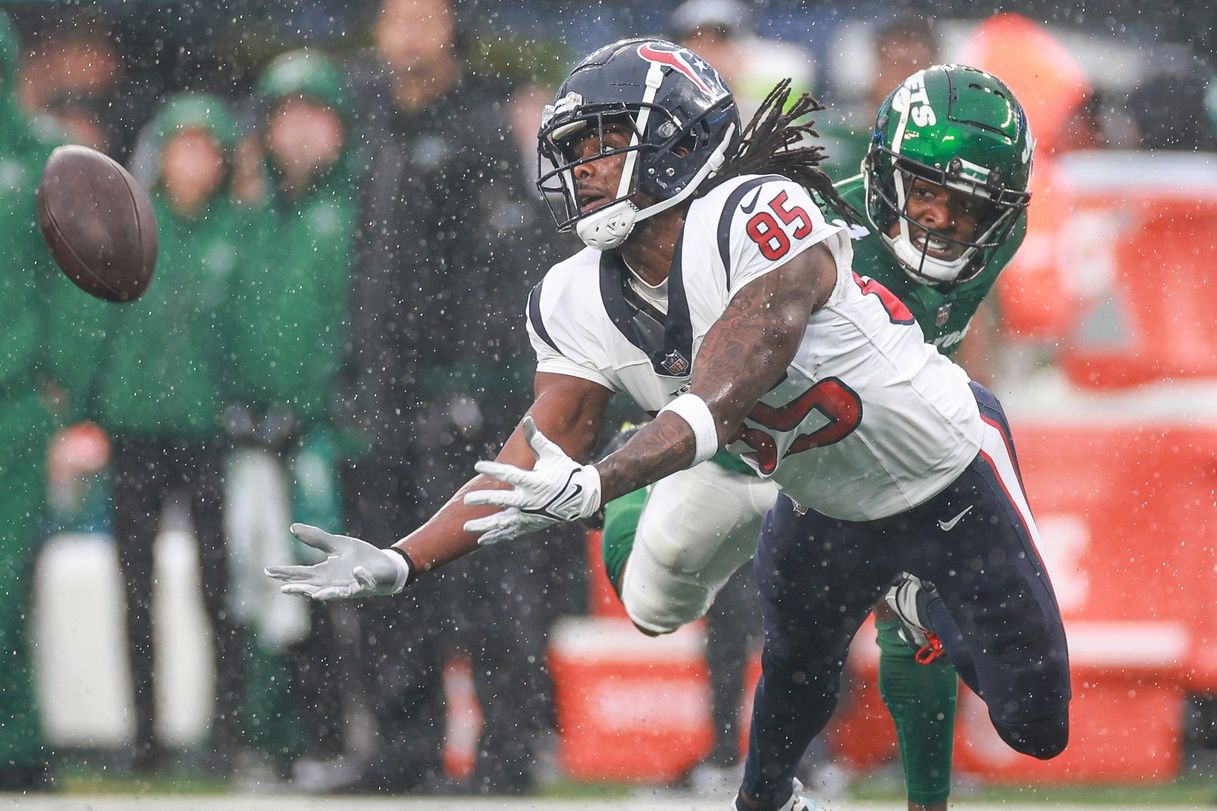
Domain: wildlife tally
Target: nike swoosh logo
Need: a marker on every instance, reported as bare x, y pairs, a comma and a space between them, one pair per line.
562, 500
947, 526
747, 208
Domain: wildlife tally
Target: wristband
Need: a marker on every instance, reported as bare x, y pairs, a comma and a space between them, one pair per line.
590, 504
406, 570
693, 410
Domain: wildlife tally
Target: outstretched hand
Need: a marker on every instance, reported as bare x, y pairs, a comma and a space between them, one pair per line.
557, 489
352, 568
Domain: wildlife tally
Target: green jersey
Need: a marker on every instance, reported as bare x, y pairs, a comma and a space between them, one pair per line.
944, 314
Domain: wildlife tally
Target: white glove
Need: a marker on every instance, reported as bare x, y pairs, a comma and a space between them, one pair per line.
557, 489
352, 568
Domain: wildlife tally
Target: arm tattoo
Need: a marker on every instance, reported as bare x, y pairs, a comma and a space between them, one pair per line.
663, 446
749, 347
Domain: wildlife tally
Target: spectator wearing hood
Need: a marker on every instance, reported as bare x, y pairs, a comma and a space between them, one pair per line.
161, 396
27, 418
288, 332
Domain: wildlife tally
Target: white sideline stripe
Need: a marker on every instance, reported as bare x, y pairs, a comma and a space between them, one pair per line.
614, 638
1144, 644
1162, 174
1051, 401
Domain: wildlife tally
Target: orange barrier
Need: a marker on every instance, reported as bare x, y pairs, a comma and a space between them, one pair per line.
1126, 717
601, 600
1121, 508
629, 707
1138, 241
1129, 534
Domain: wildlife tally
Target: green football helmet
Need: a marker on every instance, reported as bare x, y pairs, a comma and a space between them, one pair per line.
962, 129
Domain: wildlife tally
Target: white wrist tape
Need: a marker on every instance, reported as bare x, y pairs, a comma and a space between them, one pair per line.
591, 491
693, 410
402, 564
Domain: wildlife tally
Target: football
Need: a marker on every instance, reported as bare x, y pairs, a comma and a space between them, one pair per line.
98, 223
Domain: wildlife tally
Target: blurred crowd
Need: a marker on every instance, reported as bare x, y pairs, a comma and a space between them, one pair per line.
334, 335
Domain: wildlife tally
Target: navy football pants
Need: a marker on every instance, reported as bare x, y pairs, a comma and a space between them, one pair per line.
996, 613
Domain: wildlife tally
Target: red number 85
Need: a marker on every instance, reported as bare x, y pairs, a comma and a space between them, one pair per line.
764, 230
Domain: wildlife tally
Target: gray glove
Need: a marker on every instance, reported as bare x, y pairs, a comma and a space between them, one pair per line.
352, 568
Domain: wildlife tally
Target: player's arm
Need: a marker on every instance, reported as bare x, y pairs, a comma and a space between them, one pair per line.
570, 410
569, 407
743, 355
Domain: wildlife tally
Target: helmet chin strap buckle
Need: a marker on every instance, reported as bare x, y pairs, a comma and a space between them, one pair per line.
608, 227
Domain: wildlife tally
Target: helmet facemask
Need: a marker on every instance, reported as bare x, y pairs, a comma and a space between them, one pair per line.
888, 179
615, 219
959, 129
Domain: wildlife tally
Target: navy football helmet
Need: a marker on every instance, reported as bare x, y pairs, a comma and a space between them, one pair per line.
683, 119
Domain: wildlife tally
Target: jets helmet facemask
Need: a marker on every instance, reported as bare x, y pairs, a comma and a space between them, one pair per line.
960, 128
682, 119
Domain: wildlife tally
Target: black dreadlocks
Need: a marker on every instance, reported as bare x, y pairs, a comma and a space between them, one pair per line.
773, 144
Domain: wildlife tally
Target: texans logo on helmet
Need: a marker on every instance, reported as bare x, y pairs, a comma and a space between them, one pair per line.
676, 60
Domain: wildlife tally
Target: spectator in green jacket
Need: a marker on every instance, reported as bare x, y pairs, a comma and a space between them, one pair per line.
26, 418
288, 328
161, 399
290, 306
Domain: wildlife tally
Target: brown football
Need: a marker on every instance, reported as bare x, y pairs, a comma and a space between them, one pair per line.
98, 223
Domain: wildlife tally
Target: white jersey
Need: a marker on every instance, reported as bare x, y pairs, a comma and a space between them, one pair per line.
867, 422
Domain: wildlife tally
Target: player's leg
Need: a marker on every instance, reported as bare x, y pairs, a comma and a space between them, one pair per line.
201, 467
316, 498
23, 756
994, 607
504, 634
817, 579
403, 642
696, 529
617, 535
140, 481
392, 654
733, 628
921, 701
724, 593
